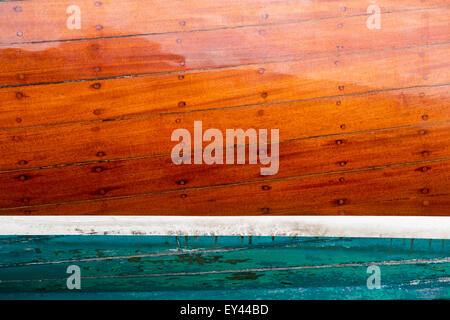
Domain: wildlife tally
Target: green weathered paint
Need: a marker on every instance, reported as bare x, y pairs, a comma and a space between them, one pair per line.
169, 267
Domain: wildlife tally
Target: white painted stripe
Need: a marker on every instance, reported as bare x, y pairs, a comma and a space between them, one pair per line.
307, 226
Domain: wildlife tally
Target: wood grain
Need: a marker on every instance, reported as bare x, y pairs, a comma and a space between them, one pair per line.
159, 174
397, 190
258, 84
46, 20
109, 57
82, 142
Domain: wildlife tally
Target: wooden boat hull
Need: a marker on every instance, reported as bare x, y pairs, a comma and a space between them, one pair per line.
198, 268
93, 92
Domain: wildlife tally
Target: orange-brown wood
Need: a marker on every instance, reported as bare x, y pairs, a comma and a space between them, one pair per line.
403, 190
81, 142
153, 175
62, 61
86, 115
36, 20
267, 83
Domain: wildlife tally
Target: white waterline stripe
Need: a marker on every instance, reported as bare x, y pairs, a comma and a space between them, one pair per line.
301, 226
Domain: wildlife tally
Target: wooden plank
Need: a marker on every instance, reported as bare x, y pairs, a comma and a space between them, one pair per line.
151, 95
117, 266
397, 190
154, 175
82, 142
47, 20
61, 61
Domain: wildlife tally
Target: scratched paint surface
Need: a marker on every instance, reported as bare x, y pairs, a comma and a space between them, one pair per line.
169, 267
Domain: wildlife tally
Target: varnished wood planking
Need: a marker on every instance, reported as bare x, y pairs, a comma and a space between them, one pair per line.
62, 61
153, 175
387, 191
65, 144
46, 20
266, 83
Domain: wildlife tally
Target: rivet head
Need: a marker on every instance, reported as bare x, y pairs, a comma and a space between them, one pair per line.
181, 104
23, 177
264, 95
180, 77
177, 120
19, 95
100, 154
338, 103
341, 202
102, 191
339, 142
182, 23
182, 182
98, 169
178, 40
342, 126
341, 88
184, 195
341, 179
425, 169
425, 190
97, 112
96, 86
343, 163
425, 153
340, 25
18, 9
425, 117
266, 188
422, 132
18, 120
98, 3
23, 162
264, 16
99, 27
19, 33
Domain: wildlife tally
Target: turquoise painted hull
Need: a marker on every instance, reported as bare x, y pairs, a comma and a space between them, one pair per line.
169, 267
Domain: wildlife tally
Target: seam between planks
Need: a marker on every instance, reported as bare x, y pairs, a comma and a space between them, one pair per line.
230, 67
237, 146
225, 185
223, 28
